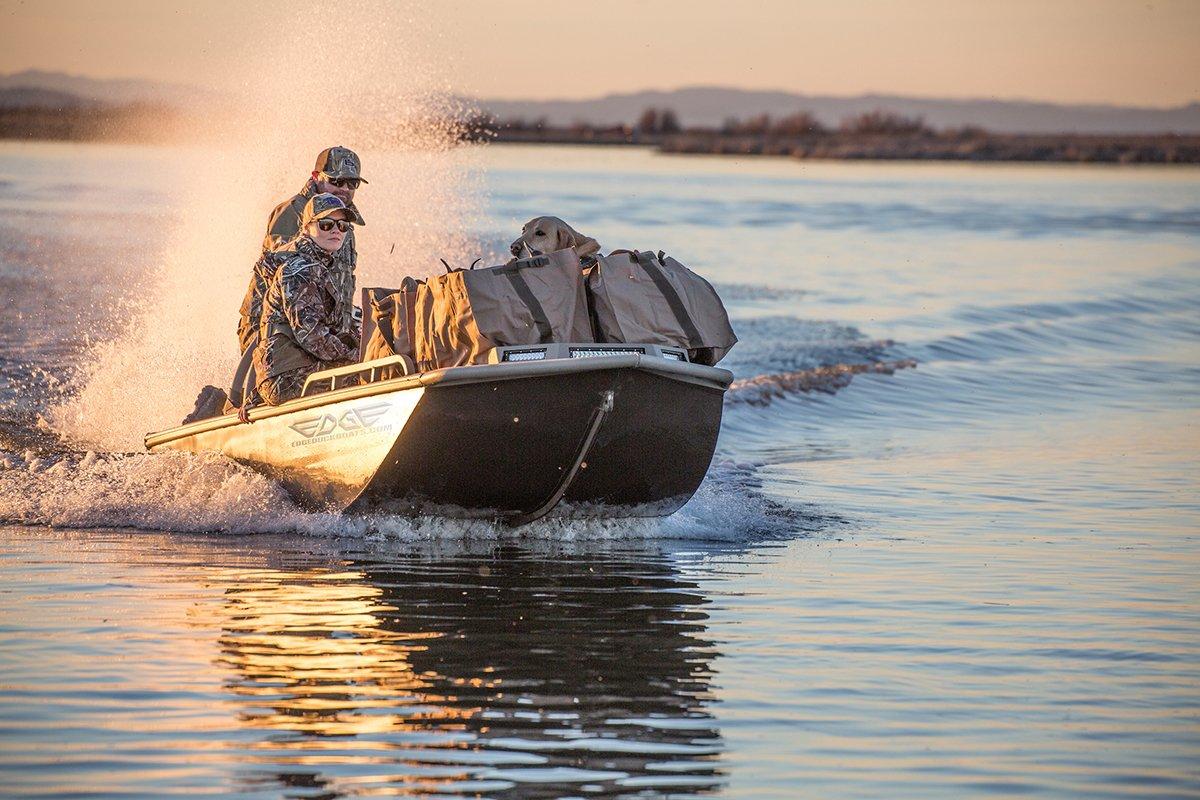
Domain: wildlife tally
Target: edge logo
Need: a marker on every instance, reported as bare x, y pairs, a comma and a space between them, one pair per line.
356, 419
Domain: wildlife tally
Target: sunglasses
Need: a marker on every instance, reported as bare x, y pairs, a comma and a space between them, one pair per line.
329, 224
344, 183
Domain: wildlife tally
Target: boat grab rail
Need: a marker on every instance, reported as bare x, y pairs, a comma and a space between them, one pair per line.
337, 375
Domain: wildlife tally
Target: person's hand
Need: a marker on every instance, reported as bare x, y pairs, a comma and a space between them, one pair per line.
244, 413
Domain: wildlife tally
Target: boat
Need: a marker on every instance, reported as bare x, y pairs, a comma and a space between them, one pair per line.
575, 429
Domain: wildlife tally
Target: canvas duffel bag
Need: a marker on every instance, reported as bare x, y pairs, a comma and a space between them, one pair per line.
389, 321
640, 297
465, 313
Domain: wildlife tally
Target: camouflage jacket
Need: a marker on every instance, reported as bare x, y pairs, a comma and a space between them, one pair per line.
251, 310
307, 313
278, 244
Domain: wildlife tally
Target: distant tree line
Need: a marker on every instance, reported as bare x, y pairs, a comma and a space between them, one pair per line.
135, 122
877, 135
665, 122
659, 121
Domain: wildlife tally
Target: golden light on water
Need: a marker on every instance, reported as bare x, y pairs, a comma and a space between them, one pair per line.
310, 655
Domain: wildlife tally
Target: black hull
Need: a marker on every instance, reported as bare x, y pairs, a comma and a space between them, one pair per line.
615, 436
506, 446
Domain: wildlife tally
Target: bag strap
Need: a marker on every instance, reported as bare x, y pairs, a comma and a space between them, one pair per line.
237, 387
524, 263
650, 265
521, 287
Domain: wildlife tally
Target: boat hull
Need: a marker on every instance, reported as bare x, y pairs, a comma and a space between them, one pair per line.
615, 437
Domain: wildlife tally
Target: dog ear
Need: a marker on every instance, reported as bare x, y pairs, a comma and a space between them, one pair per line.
569, 237
587, 246
565, 235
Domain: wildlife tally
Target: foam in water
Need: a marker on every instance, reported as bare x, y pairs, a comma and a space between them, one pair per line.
210, 493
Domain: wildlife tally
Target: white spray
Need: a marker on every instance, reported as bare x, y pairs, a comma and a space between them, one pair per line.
363, 77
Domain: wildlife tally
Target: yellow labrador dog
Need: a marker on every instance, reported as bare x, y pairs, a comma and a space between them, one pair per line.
547, 234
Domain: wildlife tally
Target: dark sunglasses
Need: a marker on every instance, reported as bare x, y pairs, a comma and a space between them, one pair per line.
328, 224
344, 183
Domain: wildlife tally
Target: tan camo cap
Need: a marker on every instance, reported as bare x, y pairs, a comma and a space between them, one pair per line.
340, 162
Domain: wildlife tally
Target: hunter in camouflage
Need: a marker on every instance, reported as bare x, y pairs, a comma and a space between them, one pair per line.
336, 172
308, 321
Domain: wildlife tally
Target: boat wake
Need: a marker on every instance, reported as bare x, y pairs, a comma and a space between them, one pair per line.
786, 356
208, 493
761, 390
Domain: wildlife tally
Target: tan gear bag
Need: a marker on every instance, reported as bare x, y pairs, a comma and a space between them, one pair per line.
639, 297
389, 321
463, 314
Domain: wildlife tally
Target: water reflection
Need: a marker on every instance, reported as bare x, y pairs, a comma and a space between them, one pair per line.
509, 673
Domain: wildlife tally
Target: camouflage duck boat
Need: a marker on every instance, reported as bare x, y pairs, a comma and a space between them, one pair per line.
576, 429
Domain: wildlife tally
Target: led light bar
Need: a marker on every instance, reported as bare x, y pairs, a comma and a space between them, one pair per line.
557, 350
525, 355
595, 352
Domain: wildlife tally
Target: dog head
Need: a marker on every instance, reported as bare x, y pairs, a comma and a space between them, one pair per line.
547, 234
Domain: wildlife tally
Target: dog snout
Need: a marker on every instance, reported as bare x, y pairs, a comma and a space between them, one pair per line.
523, 248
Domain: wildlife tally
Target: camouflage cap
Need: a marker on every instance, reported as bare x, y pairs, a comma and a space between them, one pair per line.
320, 206
339, 162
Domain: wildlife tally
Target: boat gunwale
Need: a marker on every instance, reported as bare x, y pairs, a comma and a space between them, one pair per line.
712, 377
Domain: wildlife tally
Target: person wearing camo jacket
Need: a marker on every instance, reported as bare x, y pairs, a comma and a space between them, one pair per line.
307, 321
338, 171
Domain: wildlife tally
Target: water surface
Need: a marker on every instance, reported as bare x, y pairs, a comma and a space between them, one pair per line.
971, 577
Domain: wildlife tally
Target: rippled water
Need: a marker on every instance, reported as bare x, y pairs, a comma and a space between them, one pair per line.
949, 545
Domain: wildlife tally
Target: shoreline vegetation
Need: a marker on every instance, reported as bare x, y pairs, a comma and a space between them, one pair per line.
878, 135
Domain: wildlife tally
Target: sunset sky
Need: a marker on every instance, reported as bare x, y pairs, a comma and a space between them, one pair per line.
1106, 51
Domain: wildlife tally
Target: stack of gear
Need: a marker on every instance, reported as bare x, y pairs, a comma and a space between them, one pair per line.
643, 298
465, 313
455, 319
630, 297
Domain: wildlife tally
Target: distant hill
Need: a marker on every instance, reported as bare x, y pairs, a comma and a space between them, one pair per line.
699, 105
710, 106
107, 91
25, 97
